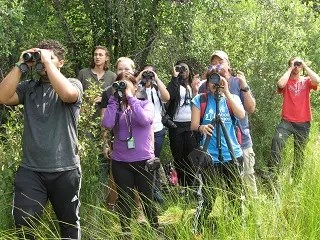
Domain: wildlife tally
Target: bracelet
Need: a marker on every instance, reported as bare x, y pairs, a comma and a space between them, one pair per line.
199, 128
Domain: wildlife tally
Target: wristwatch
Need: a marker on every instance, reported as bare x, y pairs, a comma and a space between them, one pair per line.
246, 89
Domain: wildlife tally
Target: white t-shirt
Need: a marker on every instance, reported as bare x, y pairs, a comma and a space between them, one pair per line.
183, 113
152, 94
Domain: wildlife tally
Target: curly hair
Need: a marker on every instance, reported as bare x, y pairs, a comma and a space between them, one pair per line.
53, 45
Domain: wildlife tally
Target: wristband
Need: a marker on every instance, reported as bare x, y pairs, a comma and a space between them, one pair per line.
18, 64
199, 128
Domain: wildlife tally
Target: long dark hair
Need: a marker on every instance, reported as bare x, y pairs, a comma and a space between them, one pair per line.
107, 62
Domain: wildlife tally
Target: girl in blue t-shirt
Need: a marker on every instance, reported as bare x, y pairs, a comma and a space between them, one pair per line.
224, 169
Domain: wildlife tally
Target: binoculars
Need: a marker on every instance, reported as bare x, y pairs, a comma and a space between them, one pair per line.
31, 57
148, 75
119, 85
297, 63
180, 69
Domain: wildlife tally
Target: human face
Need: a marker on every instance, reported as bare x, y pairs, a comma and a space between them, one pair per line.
296, 69
185, 74
124, 66
100, 57
222, 63
48, 55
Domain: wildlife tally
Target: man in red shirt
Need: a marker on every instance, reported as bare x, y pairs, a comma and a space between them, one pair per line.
296, 112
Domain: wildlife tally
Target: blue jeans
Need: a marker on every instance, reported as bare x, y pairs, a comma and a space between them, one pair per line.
158, 141
300, 132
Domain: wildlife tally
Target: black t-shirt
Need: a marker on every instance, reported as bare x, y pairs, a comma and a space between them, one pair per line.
107, 92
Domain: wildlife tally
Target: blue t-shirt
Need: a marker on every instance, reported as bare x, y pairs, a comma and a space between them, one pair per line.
234, 88
210, 114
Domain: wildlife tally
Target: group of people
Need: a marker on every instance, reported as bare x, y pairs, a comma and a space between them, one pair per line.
209, 113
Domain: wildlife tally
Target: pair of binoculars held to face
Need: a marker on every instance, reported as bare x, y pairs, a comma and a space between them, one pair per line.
119, 88
297, 63
30, 57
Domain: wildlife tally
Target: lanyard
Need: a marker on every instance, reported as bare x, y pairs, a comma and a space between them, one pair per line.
128, 117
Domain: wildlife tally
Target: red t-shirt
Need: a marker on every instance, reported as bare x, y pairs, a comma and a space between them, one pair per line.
296, 100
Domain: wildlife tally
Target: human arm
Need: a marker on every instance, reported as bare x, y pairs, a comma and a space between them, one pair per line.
195, 84
106, 138
164, 93
236, 106
315, 79
249, 101
174, 84
9, 84
66, 91
282, 82
8, 87
109, 115
196, 125
142, 111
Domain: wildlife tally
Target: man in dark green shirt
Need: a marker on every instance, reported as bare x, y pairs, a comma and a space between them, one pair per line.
99, 72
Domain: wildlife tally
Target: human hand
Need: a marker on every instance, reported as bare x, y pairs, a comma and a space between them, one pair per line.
242, 79
28, 58
130, 89
46, 55
174, 72
206, 129
106, 151
195, 84
98, 99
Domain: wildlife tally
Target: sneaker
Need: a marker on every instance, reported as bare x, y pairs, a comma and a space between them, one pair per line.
111, 207
158, 197
141, 219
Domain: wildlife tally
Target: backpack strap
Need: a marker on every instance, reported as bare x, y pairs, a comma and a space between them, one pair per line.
203, 105
235, 124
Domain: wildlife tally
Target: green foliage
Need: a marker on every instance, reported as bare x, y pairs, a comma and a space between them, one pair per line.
10, 148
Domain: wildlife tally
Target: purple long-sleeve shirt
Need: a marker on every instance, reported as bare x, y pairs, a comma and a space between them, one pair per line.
139, 115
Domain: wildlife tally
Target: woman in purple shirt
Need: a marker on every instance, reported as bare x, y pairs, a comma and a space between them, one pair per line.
130, 119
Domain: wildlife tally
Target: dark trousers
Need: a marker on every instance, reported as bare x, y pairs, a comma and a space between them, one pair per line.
130, 176
300, 132
222, 176
158, 142
182, 142
33, 189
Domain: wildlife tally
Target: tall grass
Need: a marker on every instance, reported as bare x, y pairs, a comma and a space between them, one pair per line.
295, 215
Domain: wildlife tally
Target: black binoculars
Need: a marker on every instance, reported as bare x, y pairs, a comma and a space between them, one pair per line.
31, 57
297, 63
148, 75
180, 68
119, 85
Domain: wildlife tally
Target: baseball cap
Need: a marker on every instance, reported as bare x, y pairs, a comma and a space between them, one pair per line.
220, 54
